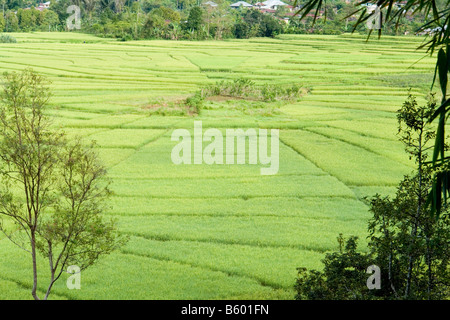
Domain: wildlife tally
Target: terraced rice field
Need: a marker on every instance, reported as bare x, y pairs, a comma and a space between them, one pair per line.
224, 231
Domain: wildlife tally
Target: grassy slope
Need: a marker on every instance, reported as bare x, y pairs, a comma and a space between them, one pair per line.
221, 232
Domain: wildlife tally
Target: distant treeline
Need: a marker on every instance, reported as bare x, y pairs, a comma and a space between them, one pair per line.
181, 19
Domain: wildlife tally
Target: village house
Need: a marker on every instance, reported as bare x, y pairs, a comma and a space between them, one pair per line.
210, 4
272, 4
240, 4
43, 6
270, 7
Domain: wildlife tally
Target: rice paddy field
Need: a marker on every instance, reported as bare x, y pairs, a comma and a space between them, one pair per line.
224, 231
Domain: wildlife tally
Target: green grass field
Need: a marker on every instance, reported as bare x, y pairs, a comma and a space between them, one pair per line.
224, 231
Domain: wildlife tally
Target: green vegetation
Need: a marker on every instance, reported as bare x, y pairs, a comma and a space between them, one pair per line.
5, 38
408, 244
224, 231
53, 190
190, 19
247, 89
191, 106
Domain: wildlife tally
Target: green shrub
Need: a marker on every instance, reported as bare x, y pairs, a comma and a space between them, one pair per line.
195, 103
126, 37
344, 276
245, 88
5, 38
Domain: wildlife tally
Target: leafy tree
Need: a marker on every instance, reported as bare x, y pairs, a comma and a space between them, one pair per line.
411, 244
241, 30
167, 14
118, 5
152, 26
343, 278
219, 20
195, 19
50, 19
2, 23
108, 16
89, 6
135, 17
185, 4
54, 190
148, 5
11, 22
27, 19
15, 4
60, 8
265, 25
270, 26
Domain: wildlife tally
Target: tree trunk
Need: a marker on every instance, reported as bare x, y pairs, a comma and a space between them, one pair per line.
410, 263
33, 256
50, 285
429, 271
416, 221
52, 270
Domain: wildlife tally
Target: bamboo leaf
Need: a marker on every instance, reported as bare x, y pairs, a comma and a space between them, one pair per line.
439, 142
442, 109
442, 63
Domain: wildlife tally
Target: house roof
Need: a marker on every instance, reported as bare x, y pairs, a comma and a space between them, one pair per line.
210, 3
271, 3
241, 3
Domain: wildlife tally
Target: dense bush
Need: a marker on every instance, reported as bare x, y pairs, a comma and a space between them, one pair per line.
343, 278
195, 103
246, 88
5, 38
257, 24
